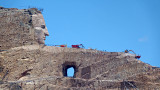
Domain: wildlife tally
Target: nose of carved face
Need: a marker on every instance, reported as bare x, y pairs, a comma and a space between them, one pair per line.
46, 32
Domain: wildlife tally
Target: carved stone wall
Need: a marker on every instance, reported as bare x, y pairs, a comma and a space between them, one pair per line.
32, 66
16, 27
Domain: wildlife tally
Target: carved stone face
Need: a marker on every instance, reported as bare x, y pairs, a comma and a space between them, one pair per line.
40, 28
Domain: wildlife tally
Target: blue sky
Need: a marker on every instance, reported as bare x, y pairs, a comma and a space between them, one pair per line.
111, 25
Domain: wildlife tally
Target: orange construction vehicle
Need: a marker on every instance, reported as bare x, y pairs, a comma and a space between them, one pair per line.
137, 56
78, 46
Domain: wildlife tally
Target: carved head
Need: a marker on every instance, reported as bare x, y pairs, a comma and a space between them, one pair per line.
40, 28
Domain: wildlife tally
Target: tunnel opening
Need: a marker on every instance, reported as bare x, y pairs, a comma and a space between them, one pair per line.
69, 69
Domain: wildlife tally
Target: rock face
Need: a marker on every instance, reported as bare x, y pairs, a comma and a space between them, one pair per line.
32, 66
21, 27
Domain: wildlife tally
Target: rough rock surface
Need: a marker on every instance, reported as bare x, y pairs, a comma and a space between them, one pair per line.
39, 67
16, 27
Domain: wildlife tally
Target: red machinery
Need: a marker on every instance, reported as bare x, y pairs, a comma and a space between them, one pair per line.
78, 46
137, 56
61, 45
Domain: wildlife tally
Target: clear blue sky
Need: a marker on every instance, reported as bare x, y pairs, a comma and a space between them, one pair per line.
111, 25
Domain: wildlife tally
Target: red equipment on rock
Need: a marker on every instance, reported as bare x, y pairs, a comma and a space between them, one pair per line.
137, 57
78, 46
61, 45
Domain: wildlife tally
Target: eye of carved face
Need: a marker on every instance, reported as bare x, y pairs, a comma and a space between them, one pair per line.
43, 26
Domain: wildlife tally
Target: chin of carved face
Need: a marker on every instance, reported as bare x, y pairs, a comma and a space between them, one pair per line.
41, 41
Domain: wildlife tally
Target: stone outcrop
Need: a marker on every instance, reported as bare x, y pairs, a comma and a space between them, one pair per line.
16, 27
40, 67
